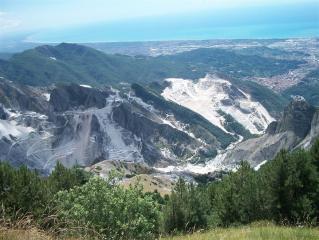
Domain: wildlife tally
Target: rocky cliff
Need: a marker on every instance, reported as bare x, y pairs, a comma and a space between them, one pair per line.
298, 127
80, 125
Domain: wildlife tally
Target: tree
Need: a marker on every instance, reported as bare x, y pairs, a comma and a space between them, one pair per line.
6, 188
186, 209
63, 178
237, 198
315, 153
22, 191
294, 185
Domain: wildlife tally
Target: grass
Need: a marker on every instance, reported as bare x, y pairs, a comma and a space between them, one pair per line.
33, 234
16, 234
269, 232
151, 183
254, 233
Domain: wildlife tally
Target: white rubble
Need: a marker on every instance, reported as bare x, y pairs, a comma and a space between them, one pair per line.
206, 97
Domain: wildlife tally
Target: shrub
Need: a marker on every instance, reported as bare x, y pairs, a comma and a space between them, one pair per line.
110, 210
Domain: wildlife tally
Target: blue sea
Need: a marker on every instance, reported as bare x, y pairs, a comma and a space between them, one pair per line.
281, 21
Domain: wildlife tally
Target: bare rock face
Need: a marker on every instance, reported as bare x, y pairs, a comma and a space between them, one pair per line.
298, 127
297, 117
21, 97
257, 150
272, 127
3, 114
80, 125
67, 97
153, 132
313, 133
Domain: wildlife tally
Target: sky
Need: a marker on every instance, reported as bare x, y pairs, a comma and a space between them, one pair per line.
142, 20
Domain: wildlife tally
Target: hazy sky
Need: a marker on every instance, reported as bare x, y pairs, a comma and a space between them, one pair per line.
69, 20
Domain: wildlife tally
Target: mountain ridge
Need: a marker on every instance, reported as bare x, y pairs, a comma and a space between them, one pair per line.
91, 106
297, 128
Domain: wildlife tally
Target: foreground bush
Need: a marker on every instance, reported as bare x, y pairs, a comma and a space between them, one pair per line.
26, 194
110, 210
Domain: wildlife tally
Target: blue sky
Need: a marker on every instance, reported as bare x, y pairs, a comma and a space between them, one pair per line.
138, 20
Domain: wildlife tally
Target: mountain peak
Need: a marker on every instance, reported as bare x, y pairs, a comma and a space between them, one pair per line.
69, 45
46, 50
73, 47
297, 117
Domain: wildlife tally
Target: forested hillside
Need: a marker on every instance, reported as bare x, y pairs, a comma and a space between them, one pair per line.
79, 64
308, 88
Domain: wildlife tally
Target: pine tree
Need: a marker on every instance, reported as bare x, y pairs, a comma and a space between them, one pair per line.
315, 153
63, 178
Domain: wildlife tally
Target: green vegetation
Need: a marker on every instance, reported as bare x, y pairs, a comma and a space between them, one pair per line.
79, 64
308, 88
234, 65
111, 210
201, 127
234, 126
268, 52
284, 191
71, 199
68, 63
263, 232
272, 101
199, 124
72, 63
23, 191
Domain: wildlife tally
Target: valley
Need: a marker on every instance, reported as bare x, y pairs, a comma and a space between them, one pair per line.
183, 138
178, 107
162, 119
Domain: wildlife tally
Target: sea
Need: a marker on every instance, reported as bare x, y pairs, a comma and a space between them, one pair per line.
262, 22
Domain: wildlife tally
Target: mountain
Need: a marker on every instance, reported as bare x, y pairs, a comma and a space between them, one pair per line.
46, 65
5, 55
76, 63
192, 112
215, 98
81, 125
298, 127
232, 64
308, 88
72, 63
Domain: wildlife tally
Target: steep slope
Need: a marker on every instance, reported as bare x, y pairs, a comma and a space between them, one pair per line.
298, 127
176, 115
213, 97
72, 63
79, 64
45, 65
82, 125
22, 97
308, 88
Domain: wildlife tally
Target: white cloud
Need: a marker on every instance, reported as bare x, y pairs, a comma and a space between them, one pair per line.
7, 23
